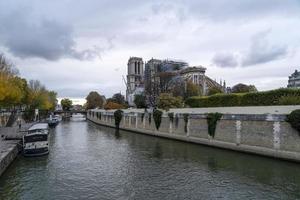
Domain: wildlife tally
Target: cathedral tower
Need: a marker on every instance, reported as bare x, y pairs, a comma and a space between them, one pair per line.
135, 78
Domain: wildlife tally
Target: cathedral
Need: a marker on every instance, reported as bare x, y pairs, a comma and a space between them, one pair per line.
160, 76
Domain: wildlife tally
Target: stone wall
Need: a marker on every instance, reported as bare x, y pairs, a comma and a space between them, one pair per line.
263, 134
8, 152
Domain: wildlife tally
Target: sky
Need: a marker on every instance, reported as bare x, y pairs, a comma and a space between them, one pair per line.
75, 47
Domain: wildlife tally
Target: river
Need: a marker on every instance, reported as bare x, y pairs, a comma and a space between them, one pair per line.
88, 161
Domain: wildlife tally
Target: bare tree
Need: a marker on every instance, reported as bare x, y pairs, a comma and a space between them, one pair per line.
7, 67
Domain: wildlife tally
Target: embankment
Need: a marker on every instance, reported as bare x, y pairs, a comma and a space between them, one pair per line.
258, 130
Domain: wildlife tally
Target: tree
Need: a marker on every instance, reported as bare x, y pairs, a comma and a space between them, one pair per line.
243, 88
140, 101
7, 67
52, 99
66, 104
118, 98
167, 101
192, 89
214, 90
94, 100
113, 106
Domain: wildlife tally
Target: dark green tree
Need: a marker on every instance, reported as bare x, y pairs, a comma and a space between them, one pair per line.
140, 101
243, 88
66, 104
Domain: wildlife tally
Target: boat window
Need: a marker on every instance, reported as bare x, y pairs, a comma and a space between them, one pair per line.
35, 138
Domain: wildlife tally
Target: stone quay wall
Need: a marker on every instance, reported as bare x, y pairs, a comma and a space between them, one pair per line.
266, 134
9, 150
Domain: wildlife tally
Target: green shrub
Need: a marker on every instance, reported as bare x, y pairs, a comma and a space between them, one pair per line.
167, 101
149, 118
284, 96
171, 117
142, 117
212, 119
176, 120
186, 120
118, 114
294, 119
157, 118
289, 100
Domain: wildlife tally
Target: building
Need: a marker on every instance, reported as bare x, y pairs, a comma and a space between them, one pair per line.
135, 78
163, 76
294, 80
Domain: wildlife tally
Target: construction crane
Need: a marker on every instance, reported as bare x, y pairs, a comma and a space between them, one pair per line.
125, 82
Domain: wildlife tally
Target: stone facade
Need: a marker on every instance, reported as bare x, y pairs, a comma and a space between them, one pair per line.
135, 78
294, 80
161, 76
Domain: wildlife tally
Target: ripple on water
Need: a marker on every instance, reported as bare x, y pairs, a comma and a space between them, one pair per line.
91, 162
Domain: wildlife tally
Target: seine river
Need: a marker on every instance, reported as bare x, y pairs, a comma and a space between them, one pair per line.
92, 162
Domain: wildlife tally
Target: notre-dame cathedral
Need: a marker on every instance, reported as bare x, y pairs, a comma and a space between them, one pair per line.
160, 76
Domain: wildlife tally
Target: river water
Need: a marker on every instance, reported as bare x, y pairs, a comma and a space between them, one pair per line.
92, 162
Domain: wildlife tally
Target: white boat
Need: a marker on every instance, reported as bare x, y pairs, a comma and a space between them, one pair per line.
53, 120
36, 140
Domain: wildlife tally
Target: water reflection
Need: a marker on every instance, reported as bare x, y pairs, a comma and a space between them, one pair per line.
92, 162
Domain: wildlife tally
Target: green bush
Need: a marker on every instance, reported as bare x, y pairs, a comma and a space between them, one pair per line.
167, 101
171, 117
149, 118
118, 114
157, 118
212, 119
289, 100
142, 116
284, 96
294, 119
186, 120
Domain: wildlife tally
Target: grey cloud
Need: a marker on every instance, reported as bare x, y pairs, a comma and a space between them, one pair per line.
28, 37
222, 10
262, 52
225, 60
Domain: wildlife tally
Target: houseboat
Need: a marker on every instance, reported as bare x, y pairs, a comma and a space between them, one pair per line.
36, 140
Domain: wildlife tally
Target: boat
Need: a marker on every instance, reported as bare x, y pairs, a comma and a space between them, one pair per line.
36, 140
53, 121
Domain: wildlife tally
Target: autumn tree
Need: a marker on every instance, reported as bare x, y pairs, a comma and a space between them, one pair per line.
94, 100
113, 105
16, 91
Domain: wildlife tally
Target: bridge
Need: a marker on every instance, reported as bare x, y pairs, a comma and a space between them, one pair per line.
70, 112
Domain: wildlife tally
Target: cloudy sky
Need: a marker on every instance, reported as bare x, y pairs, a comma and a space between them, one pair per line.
75, 46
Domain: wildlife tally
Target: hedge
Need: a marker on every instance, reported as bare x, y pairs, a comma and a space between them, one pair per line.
267, 98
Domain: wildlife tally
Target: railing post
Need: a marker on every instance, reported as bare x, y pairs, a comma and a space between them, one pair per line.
136, 120
276, 135
238, 126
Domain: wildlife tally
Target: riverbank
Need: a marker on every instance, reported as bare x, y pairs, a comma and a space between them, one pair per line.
10, 144
264, 133
9, 149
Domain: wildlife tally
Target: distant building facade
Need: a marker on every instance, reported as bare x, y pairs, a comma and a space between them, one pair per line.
161, 76
294, 80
